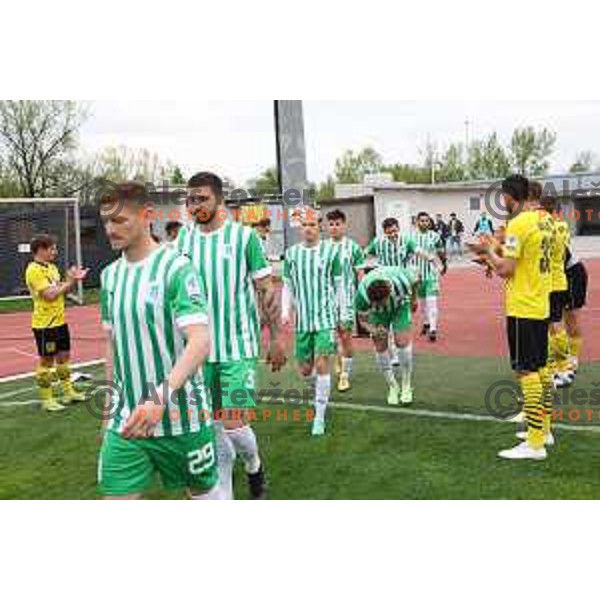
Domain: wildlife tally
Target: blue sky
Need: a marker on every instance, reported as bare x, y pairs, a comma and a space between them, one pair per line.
236, 138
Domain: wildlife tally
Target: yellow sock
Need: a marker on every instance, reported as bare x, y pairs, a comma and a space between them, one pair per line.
547, 398
552, 363
575, 343
63, 371
534, 410
562, 351
43, 378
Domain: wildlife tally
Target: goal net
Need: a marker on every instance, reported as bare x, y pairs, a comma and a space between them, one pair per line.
23, 218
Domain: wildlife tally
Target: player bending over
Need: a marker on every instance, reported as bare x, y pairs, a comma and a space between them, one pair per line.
385, 300
313, 287
155, 315
353, 264
235, 274
50, 329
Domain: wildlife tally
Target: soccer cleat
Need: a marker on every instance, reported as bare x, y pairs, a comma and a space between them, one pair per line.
406, 397
569, 376
53, 406
549, 441
393, 398
561, 381
523, 452
395, 362
72, 395
258, 485
318, 428
433, 336
425, 329
343, 383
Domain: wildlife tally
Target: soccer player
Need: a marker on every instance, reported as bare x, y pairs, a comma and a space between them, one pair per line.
353, 264
558, 346
312, 278
393, 249
234, 271
50, 329
428, 259
385, 300
263, 230
172, 229
526, 267
577, 279
155, 315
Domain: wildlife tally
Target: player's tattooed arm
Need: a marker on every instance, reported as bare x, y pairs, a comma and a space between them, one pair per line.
270, 307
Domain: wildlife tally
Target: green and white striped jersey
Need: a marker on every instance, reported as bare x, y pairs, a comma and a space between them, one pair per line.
145, 305
314, 278
352, 260
428, 243
402, 281
228, 260
391, 254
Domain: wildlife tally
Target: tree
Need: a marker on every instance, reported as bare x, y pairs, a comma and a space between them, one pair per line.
38, 139
176, 176
326, 190
352, 167
120, 163
453, 166
408, 173
531, 149
584, 161
266, 184
487, 159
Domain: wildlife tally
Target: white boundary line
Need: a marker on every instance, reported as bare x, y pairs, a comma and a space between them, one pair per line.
412, 412
89, 363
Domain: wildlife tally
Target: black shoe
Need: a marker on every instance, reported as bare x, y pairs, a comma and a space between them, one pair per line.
425, 329
258, 485
433, 336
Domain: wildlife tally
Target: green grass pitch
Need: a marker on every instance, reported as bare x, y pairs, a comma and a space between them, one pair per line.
365, 455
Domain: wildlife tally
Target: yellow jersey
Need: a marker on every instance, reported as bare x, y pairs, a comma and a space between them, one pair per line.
562, 239
46, 313
529, 243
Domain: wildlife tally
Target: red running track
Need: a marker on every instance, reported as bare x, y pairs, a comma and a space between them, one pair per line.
471, 324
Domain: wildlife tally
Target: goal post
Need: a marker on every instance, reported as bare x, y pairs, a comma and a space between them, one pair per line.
23, 218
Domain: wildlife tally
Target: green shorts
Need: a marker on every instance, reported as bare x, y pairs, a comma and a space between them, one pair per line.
187, 461
399, 321
231, 385
314, 343
428, 288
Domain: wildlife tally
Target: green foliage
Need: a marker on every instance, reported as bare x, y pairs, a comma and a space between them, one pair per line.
487, 159
531, 150
266, 184
584, 161
352, 167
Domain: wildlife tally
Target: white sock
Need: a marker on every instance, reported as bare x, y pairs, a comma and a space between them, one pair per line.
385, 366
246, 447
217, 493
323, 390
405, 356
347, 366
431, 309
225, 460
425, 312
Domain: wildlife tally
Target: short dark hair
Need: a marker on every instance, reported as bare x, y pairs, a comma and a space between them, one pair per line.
266, 222
378, 290
336, 215
125, 191
390, 222
173, 226
536, 190
206, 179
549, 204
452, 214
516, 186
423, 214
42, 241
